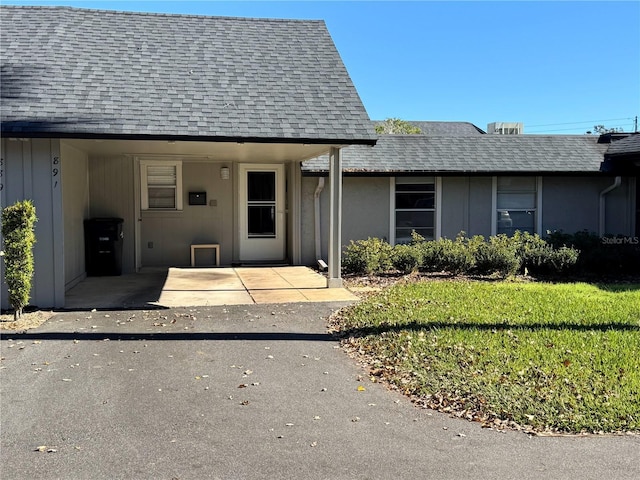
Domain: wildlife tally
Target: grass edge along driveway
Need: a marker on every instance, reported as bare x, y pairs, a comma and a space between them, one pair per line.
542, 357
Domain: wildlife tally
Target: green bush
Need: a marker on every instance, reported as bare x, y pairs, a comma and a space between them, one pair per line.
452, 256
407, 258
18, 232
498, 255
609, 255
367, 256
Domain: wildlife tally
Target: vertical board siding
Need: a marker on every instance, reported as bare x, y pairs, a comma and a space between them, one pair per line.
29, 174
111, 195
75, 195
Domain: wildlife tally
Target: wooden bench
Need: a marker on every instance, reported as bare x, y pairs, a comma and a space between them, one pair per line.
215, 246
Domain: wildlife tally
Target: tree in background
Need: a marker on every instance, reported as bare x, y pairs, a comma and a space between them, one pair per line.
601, 130
18, 222
397, 126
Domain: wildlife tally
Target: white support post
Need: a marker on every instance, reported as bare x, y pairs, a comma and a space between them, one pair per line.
335, 218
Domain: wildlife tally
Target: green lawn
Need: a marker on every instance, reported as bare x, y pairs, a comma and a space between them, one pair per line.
539, 356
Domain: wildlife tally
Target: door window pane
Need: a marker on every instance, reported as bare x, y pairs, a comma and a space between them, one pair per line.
261, 221
261, 186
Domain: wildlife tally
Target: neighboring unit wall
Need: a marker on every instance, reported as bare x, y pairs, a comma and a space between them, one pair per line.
166, 237
32, 169
111, 187
75, 198
365, 212
466, 206
571, 204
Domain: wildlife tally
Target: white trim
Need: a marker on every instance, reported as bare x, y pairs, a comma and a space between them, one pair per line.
334, 277
295, 208
270, 248
144, 196
137, 213
494, 205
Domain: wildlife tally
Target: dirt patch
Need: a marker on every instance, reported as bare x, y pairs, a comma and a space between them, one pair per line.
28, 320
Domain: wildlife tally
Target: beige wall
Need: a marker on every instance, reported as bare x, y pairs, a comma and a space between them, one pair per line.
75, 199
166, 237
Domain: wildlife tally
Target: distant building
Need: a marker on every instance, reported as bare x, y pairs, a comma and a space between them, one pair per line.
506, 128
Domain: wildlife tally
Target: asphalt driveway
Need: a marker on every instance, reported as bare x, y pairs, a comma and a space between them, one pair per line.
243, 392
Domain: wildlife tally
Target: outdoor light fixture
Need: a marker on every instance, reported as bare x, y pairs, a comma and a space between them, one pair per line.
224, 173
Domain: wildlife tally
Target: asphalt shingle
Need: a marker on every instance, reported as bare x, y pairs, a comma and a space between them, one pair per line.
471, 154
625, 146
82, 72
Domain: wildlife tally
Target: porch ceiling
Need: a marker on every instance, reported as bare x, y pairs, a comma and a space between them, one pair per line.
218, 151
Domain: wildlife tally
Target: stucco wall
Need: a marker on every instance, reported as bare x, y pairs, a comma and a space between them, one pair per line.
75, 198
32, 169
166, 237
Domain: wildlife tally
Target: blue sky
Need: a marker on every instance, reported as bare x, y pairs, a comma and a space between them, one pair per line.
559, 67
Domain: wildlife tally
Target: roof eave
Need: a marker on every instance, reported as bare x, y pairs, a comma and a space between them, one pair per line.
189, 138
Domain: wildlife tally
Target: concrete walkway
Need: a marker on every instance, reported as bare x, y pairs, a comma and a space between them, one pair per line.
244, 392
179, 287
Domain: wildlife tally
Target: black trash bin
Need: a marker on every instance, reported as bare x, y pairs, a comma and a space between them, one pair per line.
103, 246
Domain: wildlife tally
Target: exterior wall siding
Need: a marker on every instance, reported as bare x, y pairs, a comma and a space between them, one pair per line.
32, 169
572, 204
111, 187
365, 213
75, 199
166, 237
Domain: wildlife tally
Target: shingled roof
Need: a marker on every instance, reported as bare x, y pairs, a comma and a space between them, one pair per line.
626, 146
88, 73
483, 154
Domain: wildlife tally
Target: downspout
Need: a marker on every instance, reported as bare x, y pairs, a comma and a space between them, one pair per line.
616, 184
316, 206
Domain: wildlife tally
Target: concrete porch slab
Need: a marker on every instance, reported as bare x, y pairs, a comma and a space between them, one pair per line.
185, 287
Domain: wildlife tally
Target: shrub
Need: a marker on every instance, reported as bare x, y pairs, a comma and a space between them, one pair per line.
452, 256
607, 255
407, 258
498, 255
17, 230
367, 256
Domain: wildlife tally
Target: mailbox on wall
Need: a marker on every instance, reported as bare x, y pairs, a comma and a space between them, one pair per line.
197, 198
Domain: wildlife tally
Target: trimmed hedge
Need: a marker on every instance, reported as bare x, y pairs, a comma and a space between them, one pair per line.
500, 255
18, 222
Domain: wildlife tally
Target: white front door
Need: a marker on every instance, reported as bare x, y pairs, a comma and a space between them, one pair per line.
261, 209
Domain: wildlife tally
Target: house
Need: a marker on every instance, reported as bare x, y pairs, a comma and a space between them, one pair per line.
453, 177
191, 129
248, 134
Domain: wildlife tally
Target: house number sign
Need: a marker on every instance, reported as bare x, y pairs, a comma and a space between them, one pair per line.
55, 170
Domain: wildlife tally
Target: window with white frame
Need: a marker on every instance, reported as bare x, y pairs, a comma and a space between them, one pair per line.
161, 183
415, 206
516, 204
